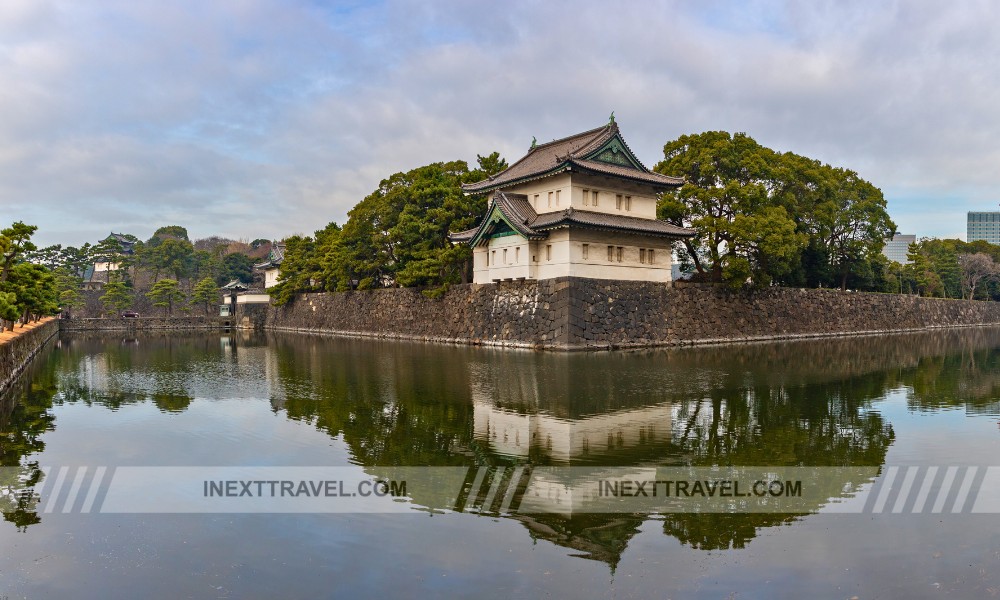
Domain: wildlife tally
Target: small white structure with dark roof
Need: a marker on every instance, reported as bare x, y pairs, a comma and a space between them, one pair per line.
581, 206
272, 266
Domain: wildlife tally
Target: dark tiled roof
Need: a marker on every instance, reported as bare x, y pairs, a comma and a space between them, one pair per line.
519, 213
126, 244
629, 173
599, 220
558, 155
274, 257
463, 236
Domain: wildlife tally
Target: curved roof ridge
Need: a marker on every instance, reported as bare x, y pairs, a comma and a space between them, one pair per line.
536, 161
551, 158
594, 131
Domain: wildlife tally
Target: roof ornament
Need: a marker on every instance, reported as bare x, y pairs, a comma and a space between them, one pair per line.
611, 119
534, 142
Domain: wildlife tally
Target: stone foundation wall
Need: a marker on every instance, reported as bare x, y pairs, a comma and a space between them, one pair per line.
509, 314
16, 353
574, 313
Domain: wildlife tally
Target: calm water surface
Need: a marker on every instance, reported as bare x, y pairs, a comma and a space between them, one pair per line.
286, 401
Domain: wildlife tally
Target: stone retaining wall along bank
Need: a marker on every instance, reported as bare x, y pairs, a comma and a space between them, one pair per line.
572, 313
16, 353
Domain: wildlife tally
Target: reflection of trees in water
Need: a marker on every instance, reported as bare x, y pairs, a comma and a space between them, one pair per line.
25, 415
396, 404
404, 404
969, 379
793, 403
814, 424
110, 371
721, 531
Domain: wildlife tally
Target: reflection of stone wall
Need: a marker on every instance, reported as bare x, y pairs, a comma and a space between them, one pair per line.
145, 323
573, 313
17, 352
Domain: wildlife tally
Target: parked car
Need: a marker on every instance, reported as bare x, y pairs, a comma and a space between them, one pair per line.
130, 314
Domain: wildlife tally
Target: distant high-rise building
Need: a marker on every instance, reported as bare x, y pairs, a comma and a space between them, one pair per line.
896, 248
983, 226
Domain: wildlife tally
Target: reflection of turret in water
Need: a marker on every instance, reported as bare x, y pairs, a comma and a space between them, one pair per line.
542, 438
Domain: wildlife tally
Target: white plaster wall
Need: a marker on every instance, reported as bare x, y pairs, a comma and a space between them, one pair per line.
642, 206
516, 264
270, 278
566, 257
542, 187
597, 265
570, 187
559, 264
105, 266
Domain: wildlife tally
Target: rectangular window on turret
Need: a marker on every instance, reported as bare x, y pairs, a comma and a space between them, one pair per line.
548, 252
536, 202
550, 199
494, 261
586, 197
597, 197
618, 201
611, 253
628, 203
517, 255
621, 253
504, 256
650, 256
586, 251
642, 256
557, 197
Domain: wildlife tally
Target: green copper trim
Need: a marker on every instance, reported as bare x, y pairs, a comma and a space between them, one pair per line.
615, 152
494, 220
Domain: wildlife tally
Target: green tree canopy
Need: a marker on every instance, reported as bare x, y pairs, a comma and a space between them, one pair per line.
117, 296
166, 293
172, 256
15, 242
206, 292
773, 218
34, 287
743, 232
68, 289
236, 266
171, 232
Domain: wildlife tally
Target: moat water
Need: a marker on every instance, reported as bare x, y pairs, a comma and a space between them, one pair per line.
911, 415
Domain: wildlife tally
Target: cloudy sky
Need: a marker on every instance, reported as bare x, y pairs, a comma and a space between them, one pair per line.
264, 118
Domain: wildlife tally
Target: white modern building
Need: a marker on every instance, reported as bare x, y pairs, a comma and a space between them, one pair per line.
983, 226
581, 206
898, 247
